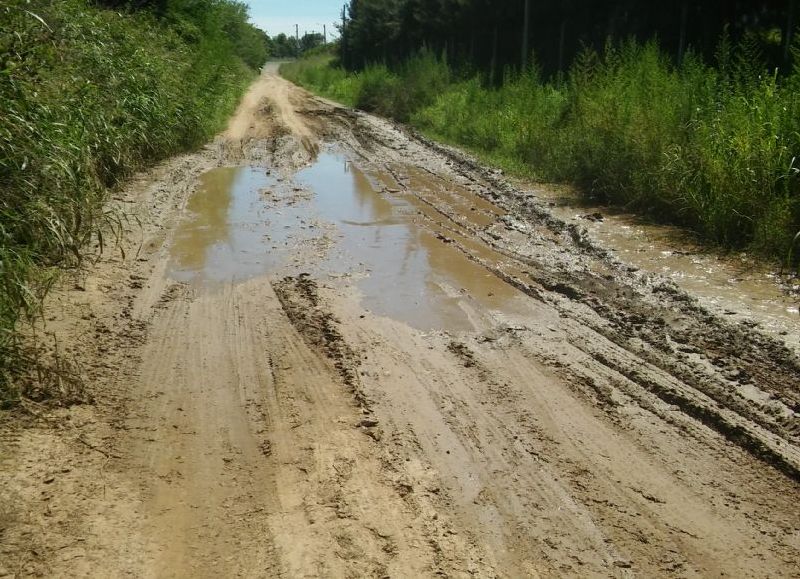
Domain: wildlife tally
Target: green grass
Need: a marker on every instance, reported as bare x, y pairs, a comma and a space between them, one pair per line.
318, 74
376, 89
712, 148
88, 97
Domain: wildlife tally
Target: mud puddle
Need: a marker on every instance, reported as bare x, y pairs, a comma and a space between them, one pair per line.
243, 223
735, 286
231, 233
410, 273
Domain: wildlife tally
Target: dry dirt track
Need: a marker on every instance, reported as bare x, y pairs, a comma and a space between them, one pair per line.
276, 426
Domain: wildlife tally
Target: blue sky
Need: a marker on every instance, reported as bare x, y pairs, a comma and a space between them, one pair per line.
276, 16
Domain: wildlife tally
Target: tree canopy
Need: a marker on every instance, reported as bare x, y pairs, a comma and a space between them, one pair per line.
216, 20
283, 46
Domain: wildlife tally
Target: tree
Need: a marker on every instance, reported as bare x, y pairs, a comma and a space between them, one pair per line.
223, 21
488, 34
284, 46
311, 40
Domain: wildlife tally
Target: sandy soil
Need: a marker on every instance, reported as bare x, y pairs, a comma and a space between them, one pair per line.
275, 425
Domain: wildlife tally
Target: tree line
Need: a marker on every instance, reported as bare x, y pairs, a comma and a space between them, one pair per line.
209, 17
494, 34
285, 46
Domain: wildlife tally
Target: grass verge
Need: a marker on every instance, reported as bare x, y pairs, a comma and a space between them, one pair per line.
90, 95
712, 148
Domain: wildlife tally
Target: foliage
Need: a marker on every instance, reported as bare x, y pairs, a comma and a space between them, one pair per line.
283, 46
376, 89
488, 35
90, 95
712, 148
319, 74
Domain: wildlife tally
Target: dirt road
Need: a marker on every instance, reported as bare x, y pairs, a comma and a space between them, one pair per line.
334, 349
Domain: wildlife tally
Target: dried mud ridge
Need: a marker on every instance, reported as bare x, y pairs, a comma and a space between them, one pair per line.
300, 300
607, 425
672, 343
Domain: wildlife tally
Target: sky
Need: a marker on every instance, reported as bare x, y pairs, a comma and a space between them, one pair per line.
276, 16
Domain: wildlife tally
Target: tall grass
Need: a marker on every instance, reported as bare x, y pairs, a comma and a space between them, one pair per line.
87, 96
319, 74
714, 148
397, 94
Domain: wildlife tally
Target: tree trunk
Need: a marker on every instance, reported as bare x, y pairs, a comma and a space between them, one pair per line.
789, 32
684, 24
472, 46
526, 35
493, 68
344, 36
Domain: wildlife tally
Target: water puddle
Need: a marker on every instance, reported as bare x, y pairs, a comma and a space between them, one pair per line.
331, 221
413, 275
732, 286
224, 237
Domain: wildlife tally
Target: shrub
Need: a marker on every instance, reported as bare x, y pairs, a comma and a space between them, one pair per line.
377, 90
712, 148
90, 95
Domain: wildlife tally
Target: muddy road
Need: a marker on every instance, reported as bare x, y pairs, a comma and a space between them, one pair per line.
334, 349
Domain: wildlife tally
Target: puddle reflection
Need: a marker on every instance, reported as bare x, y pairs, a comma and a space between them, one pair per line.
413, 276
225, 237
242, 223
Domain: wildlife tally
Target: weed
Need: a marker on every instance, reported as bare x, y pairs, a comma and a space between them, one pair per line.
88, 97
713, 148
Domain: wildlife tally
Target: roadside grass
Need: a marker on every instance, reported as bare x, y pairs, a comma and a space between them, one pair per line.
396, 94
88, 97
319, 74
712, 148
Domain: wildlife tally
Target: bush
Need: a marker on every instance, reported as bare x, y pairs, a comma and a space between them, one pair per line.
90, 95
319, 73
712, 148
377, 90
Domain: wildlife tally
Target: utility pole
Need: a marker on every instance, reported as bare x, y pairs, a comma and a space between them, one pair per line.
525, 33
297, 39
324, 34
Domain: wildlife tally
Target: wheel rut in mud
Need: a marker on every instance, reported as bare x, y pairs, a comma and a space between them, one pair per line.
300, 300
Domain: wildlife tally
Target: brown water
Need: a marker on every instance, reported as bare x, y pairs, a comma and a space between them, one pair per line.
736, 286
413, 275
244, 223
224, 237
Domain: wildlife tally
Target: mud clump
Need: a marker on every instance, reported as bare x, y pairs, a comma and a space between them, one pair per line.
300, 300
461, 351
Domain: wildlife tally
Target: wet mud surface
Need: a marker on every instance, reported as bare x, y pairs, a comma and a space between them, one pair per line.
337, 349
243, 222
737, 286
